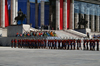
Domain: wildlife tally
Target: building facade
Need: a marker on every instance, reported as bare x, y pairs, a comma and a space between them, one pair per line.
59, 14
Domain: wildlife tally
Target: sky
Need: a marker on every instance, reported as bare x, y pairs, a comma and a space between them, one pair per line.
38, 0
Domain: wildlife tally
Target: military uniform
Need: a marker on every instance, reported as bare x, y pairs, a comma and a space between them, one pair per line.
15, 43
12, 42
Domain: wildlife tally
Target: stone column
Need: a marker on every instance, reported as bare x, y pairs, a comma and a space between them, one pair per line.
57, 14
87, 19
97, 23
28, 12
71, 14
0, 13
13, 12
2, 3
16, 8
50, 15
36, 14
82, 16
76, 20
92, 23
65, 14
42, 12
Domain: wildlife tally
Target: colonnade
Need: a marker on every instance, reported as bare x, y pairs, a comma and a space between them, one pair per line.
62, 20
93, 21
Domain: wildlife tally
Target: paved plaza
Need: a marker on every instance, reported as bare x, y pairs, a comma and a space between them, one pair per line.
46, 57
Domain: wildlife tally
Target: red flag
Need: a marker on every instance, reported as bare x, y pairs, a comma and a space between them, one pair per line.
6, 14
68, 13
61, 14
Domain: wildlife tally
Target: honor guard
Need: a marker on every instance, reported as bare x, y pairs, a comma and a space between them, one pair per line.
93, 44
84, 41
45, 43
15, 43
59, 41
63, 44
39, 43
78, 44
36, 43
55, 44
74, 43
97, 44
42, 43
49, 44
87, 41
26, 43
18, 43
33, 43
22, 43
29, 41
52, 44
12, 42
68, 42
71, 44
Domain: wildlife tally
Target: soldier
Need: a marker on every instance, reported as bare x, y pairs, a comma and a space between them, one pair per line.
26, 43
18, 43
87, 43
97, 44
12, 42
36, 43
52, 44
39, 43
49, 44
64, 44
71, 44
22, 41
15, 43
84, 44
68, 42
55, 44
78, 44
59, 44
32, 43
29, 44
93, 44
74, 43
45, 43
42, 43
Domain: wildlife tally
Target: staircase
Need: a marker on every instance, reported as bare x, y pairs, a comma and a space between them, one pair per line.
79, 34
70, 34
66, 34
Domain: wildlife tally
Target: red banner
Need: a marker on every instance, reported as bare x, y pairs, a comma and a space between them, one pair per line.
6, 14
68, 13
61, 14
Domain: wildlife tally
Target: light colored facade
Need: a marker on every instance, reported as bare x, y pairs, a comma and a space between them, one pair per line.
68, 13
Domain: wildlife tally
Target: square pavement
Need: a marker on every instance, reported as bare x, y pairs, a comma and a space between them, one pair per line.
47, 57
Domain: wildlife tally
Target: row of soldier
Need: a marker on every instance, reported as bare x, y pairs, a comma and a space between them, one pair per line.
71, 44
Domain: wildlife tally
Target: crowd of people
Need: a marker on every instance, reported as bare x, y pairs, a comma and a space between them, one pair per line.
96, 36
36, 34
